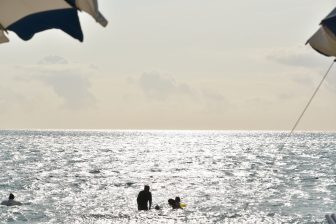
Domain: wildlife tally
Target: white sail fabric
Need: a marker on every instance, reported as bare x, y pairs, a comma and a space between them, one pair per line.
324, 41
91, 7
3, 38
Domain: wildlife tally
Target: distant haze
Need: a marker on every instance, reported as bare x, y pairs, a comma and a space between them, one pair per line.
190, 64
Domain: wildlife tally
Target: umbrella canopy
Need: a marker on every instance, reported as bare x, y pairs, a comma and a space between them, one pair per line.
3, 38
28, 17
324, 40
91, 7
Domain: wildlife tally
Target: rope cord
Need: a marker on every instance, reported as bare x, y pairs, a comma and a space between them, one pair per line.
311, 99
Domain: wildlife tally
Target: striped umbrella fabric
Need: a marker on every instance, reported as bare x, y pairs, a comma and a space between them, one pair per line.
28, 17
324, 40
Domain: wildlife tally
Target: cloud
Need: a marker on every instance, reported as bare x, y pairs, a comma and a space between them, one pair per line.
163, 88
295, 56
159, 87
72, 87
306, 67
53, 59
69, 81
215, 101
311, 77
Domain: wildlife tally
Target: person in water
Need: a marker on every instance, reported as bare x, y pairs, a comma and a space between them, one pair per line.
178, 202
11, 201
144, 199
175, 204
172, 203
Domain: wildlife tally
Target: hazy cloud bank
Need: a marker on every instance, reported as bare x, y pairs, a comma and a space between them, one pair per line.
161, 87
157, 87
299, 56
306, 67
69, 81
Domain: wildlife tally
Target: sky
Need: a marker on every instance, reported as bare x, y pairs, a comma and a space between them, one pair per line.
177, 64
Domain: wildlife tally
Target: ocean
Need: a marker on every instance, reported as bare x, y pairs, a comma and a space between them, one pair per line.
84, 176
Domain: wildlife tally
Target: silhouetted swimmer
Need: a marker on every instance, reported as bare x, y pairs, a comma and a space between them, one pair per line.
144, 198
178, 202
172, 203
11, 201
175, 204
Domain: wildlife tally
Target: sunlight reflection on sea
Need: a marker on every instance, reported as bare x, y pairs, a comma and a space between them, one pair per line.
222, 176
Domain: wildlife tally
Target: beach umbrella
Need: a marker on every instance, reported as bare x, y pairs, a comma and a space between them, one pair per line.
324, 40
28, 17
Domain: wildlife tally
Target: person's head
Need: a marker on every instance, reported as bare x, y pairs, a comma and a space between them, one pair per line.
171, 202
146, 188
11, 196
177, 199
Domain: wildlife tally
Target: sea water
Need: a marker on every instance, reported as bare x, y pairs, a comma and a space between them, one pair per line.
223, 176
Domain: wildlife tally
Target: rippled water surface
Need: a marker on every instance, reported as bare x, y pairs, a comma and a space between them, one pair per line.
223, 177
